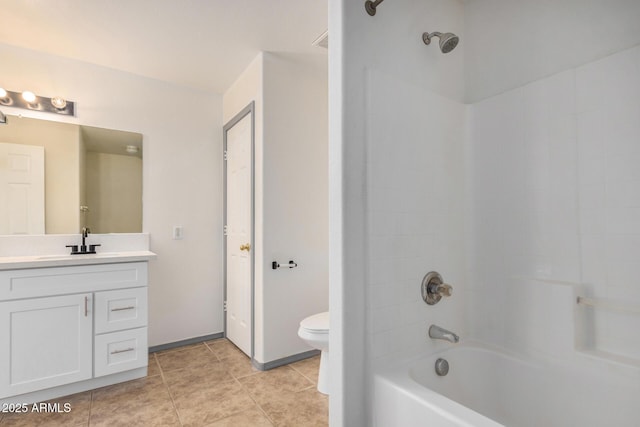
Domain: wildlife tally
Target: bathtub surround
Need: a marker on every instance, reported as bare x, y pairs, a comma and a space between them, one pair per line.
569, 212
507, 165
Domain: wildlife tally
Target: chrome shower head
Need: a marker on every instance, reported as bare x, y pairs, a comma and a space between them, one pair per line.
448, 41
3, 118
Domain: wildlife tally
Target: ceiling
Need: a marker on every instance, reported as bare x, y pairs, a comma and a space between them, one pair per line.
202, 44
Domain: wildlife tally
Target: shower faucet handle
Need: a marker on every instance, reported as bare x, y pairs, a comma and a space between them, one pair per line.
444, 290
433, 288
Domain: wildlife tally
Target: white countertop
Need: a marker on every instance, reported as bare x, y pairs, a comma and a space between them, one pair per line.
62, 260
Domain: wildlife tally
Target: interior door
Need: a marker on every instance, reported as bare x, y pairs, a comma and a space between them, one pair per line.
239, 232
21, 189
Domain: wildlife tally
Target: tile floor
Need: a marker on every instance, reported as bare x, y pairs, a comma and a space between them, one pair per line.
209, 384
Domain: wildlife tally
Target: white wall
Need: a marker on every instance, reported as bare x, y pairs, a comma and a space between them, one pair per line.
396, 117
513, 42
290, 94
295, 199
182, 169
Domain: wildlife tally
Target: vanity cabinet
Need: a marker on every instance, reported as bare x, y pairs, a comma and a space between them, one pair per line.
71, 325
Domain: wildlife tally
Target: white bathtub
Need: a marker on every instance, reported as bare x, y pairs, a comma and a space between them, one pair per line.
489, 388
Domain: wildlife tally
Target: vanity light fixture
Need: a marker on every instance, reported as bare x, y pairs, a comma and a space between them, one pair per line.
132, 149
30, 101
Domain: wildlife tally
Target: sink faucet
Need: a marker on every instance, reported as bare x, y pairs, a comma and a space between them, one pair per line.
438, 333
83, 248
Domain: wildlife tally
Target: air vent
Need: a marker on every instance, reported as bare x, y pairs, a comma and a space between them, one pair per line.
322, 40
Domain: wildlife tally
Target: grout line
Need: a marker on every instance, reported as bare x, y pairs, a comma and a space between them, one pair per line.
90, 406
164, 381
257, 404
214, 353
301, 373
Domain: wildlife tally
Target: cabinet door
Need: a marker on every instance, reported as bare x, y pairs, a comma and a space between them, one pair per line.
44, 342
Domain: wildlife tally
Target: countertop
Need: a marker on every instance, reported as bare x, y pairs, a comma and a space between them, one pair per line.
63, 260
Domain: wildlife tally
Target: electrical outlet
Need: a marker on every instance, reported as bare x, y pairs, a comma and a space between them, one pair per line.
178, 232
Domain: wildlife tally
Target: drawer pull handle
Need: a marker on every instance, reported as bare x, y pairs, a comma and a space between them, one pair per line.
86, 306
131, 307
122, 351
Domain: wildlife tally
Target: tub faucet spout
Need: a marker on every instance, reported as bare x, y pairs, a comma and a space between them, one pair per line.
438, 333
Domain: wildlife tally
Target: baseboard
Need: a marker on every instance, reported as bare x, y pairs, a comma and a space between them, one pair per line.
285, 360
189, 341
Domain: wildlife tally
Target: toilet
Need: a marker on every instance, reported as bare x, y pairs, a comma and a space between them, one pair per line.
314, 330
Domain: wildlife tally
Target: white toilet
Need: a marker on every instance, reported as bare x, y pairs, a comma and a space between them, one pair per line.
314, 330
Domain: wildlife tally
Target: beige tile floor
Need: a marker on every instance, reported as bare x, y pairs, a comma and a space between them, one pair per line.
209, 384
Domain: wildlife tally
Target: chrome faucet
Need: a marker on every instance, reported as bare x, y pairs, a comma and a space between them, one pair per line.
438, 333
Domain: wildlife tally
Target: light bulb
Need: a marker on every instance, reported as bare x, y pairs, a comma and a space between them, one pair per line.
58, 102
3, 93
28, 96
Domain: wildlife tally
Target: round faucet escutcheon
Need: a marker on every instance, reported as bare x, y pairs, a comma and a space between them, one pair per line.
433, 288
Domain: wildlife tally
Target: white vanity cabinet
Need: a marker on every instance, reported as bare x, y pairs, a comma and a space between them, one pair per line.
78, 327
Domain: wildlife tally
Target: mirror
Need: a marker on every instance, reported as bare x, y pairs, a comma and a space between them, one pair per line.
56, 178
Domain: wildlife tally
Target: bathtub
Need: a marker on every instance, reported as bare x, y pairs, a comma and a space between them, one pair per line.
488, 387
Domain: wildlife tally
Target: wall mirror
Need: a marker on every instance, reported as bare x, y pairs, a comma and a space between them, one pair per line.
56, 178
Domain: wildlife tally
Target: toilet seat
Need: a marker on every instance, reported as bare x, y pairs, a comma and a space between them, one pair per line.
318, 323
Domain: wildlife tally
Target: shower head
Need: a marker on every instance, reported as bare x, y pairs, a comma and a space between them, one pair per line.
3, 118
448, 41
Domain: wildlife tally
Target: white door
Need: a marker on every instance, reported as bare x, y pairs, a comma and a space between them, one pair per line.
21, 189
45, 342
239, 232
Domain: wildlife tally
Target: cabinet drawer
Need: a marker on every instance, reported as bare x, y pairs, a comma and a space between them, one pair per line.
120, 351
120, 309
39, 282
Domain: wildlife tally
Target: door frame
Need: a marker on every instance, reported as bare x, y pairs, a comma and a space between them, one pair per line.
249, 109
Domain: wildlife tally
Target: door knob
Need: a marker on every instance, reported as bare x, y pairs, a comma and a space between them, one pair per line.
245, 247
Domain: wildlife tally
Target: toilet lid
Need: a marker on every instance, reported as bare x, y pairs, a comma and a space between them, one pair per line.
317, 322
